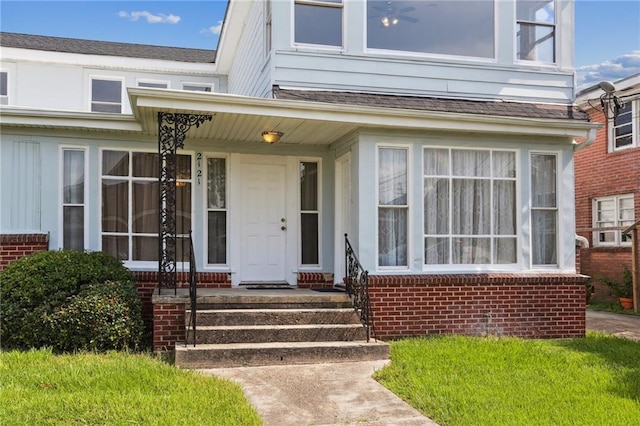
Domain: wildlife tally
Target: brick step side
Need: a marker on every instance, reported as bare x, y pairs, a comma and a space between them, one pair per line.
274, 316
280, 333
237, 355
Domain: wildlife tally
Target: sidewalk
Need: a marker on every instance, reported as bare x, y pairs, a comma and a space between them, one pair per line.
617, 324
322, 394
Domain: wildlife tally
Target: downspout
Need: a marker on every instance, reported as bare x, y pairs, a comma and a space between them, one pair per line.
582, 241
588, 142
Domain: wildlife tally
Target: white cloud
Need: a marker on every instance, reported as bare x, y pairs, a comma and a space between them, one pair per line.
159, 18
615, 69
213, 30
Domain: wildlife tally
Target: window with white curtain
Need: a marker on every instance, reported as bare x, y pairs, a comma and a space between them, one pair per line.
536, 30
393, 207
73, 198
130, 205
544, 209
217, 211
469, 206
309, 213
612, 212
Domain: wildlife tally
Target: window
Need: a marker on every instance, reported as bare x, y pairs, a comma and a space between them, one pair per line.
612, 212
106, 96
536, 33
4, 88
625, 127
544, 210
153, 84
130, 205
309, 213
73, 198
318, 22
461, 28
393, 207
469, 206
196, 87
216, 211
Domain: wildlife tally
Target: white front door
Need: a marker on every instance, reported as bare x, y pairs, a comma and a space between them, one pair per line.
263, 223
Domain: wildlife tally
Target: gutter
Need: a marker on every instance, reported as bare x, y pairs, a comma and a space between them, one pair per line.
591, 138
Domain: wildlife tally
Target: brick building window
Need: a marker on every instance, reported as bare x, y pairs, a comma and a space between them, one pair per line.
612, 212
625, 128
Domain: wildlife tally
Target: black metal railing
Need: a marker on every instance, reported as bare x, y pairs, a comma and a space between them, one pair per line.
357, 284
191, 329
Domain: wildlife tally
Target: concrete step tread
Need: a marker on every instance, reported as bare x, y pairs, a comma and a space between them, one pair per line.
270, 311
272, 345
271, 327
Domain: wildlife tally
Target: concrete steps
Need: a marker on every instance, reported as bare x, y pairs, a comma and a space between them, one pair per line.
267, 327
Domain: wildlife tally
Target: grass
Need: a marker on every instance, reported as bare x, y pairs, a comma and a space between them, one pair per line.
115, 388
507, 381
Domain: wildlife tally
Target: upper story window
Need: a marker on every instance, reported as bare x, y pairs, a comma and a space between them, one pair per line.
536, 32
154, 84
318, 22
197, 87
4, 89
459, 28
625, 128
610, 213
106, 95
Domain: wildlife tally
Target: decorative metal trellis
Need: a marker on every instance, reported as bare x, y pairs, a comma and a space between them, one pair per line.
172, 131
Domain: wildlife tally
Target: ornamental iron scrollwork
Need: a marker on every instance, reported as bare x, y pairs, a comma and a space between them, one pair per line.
172, 131
357, 285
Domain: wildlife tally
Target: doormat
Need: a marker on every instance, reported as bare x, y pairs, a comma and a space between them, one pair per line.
328, 290
263, 287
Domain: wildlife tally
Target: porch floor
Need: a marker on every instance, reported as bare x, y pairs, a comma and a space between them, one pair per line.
245, 295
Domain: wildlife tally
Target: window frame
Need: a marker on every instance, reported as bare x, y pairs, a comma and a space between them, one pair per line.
635, 129
4, 99
516, 46
200, 85
61, 224
207, 265
617, 234
557, 209
138, 264
319, 3
152, 81
299, 211
122, 93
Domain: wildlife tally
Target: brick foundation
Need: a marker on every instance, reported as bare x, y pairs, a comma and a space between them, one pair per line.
534, 306
168, 325
315, 280
15, 246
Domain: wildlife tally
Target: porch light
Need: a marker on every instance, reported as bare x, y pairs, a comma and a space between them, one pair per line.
271, 136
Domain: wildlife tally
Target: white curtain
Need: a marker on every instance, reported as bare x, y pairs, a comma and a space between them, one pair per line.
392, 221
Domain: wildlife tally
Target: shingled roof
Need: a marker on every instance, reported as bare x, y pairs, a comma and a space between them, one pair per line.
496, 108
108, 48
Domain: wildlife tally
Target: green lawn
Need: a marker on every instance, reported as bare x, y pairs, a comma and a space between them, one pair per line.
39, 388
507, 381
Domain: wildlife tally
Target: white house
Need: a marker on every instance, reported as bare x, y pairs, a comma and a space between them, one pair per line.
438, 135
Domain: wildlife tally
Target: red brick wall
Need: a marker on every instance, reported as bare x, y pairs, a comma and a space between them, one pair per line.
537, 306
605, 262
315, 280
168, 325
15, 246
599, 173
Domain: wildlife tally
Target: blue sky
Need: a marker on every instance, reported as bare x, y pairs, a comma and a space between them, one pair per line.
607, 31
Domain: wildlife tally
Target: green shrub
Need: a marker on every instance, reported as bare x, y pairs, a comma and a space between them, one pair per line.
36, 286
101, 317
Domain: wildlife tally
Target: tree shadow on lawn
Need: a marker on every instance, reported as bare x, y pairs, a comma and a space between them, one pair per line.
623, 355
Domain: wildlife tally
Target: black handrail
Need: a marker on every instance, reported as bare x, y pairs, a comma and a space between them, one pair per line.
357, 284
192, 291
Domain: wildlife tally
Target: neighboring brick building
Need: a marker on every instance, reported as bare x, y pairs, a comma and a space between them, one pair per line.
608, 184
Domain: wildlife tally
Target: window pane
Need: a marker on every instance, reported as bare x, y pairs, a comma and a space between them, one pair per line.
308, 186
196, 88
217, 238
153, 85
3, 84
111, 108
145, 207
544, 237
624, 141
117, 247
145, 164
504, 164
436, 161
73, 228
471, 250
607, 237
471, 213
436, 206
216, 183
183, 208
115, 205
504, 207
392, 237
183, 167
536, 42
504, 250
541, 11
146, 248
106, 91
392, 180
115, 163
436, 251
543, 180
471, 163
318, 25
309, 235
73, 177
464, 28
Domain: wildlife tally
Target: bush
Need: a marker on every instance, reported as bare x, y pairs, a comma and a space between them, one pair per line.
623, 288
36, 286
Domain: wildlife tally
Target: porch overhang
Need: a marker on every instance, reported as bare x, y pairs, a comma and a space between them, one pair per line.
243, 119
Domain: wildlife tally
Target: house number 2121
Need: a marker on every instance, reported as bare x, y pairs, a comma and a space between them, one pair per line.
199, 166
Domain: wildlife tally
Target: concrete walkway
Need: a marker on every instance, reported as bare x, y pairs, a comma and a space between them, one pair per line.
621, 325
322, 394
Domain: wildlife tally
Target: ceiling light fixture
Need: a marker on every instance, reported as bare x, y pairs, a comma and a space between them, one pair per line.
271, 136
